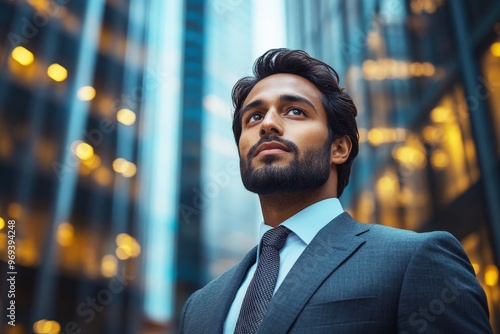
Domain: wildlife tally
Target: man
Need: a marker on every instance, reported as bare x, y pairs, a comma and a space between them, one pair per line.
316, 270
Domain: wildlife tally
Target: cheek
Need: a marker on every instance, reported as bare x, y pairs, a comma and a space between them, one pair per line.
242, 148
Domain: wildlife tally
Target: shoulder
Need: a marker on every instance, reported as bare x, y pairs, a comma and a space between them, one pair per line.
410, 239
417, 248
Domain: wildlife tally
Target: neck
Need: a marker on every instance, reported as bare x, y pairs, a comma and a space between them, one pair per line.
278, 207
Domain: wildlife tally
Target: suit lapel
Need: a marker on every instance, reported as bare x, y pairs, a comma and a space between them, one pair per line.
327, 251
225, 290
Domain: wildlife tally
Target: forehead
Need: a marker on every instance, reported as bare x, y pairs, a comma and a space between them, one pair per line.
276, 85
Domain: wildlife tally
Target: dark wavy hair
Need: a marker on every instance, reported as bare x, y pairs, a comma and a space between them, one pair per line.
340, 109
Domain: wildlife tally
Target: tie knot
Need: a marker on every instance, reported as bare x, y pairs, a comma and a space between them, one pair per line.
275, 237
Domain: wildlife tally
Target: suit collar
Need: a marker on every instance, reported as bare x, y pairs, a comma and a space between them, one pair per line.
326, 252
229, 284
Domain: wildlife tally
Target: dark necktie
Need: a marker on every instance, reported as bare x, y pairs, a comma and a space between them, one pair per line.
261, 288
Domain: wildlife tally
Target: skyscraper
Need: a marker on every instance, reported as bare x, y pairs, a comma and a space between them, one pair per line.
424, 75
88, 162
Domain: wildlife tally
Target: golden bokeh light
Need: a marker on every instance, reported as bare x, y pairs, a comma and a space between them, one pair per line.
491, 275
124, 167
409, 154
2, 223
42, 5
495, 49
428, 69
432, 134
23, 56
27, 252
379, 136
57, 72
109, 265
130, 170
119, 165
386, 68
93, 162
439, 159
123, 238
126, 116
84, 151
46, 327
376, 136
387, 184
442, 115
65, 234
86, 93
127, 246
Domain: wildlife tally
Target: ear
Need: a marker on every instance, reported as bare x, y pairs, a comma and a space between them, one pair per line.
341, 147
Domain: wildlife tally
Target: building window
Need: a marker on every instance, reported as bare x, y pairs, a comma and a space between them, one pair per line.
491, 78
450, 147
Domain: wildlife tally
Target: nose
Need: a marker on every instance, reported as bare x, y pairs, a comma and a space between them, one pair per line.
271, 124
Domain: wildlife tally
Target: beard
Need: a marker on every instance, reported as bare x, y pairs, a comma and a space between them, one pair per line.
310, 170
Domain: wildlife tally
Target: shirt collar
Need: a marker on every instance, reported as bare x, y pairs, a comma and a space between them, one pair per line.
307, 222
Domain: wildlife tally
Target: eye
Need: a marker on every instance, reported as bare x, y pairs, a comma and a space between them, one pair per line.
296, 112
254, 118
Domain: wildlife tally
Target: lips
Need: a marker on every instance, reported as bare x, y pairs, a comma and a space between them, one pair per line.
271, 148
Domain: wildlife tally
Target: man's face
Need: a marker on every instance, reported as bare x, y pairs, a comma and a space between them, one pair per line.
284, 144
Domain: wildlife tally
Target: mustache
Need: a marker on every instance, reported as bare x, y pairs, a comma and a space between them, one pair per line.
289, 145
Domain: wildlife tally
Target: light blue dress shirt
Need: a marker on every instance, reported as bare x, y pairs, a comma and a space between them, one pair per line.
304, 225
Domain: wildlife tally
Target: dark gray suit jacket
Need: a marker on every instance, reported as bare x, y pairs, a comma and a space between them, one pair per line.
359, 278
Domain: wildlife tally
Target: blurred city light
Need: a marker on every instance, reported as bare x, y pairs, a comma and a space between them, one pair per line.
93, 162
84, 151
124, 167
125, 116
46, 327
495, 49
128, 247
23, 56
65, 234
441, 115
491, 275
86, 93
57, 72
439, 159
109, 266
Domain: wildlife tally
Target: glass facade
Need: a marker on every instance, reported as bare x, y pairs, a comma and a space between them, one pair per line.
231, 213
424, 76
89, 110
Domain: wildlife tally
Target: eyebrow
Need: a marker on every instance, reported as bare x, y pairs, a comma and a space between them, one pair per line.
296, 98
251, 105
282, 98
